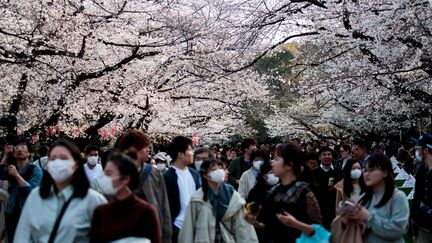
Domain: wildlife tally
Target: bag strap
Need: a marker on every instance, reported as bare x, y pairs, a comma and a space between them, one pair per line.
40, 164
58, 220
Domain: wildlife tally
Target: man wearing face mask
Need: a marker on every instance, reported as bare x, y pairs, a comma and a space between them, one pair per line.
248, 179
201, 154
181, 181
22, 179
421, 210
162, 161
92, 167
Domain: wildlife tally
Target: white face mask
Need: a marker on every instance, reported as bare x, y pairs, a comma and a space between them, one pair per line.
160, 166
217, 176
257, 164
272, 179
198, 164
92, 160
418, 156
356, 174
60, 170
106, 183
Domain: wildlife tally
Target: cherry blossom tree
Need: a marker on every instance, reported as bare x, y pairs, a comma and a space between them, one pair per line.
163, 66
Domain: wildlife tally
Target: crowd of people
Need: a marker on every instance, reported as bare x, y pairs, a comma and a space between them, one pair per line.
186, 193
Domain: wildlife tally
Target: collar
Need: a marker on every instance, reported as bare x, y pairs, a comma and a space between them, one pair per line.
325, 169
66, 193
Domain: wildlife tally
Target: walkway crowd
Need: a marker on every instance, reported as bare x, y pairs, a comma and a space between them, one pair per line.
290, 192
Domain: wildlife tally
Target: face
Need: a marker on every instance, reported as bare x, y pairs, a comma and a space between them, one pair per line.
312, 164
250, 149
278, 166
143, 154
21, 152
187, 157
215, 167
93, 153
358, 153
201, 156
373, 176
60, 152
233, 154
112, 171
326, 158
344, 153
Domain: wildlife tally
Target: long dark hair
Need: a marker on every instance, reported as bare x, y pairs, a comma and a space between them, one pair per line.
206, 165
381, 162
347, 182
79, 180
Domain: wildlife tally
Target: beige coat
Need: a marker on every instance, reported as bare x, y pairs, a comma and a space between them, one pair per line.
199, 224
352, 231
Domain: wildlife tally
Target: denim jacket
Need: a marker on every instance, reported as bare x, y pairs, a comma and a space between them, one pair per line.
18, 194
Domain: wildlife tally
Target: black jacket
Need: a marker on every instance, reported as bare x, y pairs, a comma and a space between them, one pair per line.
173, 191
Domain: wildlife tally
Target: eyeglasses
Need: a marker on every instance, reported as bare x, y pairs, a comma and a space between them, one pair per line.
20, 147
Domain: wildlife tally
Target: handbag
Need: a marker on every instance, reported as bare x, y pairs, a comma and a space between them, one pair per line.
321, 235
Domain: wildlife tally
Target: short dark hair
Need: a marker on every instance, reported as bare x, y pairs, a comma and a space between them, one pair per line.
292, 156
346, 147
259, 154
134, 138
363, 144
311, 156
79, 180
201, 150
179, 145
43, 150
22, 140
247, 142
325, 149
206, 165
90, 148
126, 167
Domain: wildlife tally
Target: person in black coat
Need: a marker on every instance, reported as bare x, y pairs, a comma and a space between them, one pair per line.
324, 179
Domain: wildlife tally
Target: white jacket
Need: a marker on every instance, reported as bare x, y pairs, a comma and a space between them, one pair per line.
247, 182
199, 225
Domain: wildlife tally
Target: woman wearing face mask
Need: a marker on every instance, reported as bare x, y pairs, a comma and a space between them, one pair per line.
257, 196
127, 215
215, 212
61, 209
352, 186
384, 208
248, 179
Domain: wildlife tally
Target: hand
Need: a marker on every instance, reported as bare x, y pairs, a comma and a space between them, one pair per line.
8, 149
13, 171
250, 218
286, 219
361, 213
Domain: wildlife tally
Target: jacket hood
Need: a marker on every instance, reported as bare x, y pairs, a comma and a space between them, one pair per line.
236, 202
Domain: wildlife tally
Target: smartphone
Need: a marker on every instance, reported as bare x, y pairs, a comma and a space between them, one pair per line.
347, 207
